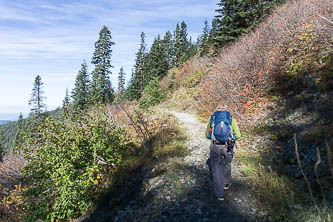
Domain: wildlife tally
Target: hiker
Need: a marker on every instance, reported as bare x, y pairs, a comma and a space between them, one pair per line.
222, 148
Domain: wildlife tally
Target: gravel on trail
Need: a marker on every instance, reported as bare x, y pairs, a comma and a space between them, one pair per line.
184, 193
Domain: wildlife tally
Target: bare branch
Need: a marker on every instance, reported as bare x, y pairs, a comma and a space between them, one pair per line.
316, 172
326, 19
305, 177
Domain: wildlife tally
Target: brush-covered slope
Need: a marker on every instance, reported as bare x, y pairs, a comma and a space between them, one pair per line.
277, 81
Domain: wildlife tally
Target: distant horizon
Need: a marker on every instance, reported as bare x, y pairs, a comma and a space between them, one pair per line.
10, 116
10, 113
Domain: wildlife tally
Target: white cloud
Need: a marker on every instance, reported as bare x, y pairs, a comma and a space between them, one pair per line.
52, 38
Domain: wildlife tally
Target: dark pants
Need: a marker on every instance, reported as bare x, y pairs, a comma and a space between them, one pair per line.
220, 162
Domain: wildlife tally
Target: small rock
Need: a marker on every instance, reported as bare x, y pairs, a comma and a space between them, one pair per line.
263, 213
297, 206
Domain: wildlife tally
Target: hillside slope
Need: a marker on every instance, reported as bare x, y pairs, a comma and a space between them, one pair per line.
277, 81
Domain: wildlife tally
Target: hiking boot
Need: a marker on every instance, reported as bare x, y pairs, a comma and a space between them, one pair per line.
220, 198
227, 186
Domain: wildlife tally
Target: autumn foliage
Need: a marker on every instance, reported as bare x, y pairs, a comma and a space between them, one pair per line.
243, 71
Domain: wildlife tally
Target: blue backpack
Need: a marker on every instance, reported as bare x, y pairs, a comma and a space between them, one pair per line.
222, 122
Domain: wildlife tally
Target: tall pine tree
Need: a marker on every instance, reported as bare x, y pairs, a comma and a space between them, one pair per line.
177, 45
169, 49
18, 140
185, 44
65, 102
100, 91
2, 145
139, 73
121, 81
182, 45
212, 32
81, 88
204, 40
37, 98
238, 17
157, 64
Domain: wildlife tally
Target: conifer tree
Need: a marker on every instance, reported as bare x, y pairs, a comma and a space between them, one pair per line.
157, 64
183, 50
18, 140
204, 40
192, 49
183, 36
177, 45
237, 17
81, 88
212, 32
152, 93
101, 85
168, 45
185, 44
2, 145
121, 80
140, 72
66, 101
37, 98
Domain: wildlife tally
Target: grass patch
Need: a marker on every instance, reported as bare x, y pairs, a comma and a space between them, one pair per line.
276, 192
312, 215
182, 99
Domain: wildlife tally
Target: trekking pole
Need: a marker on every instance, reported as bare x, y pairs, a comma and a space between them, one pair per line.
213, 126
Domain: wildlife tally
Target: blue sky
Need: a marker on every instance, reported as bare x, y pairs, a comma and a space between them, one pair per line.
52, 39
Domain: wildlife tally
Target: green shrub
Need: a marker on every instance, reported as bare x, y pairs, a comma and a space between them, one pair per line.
193, 79
325, 214
152, 94
69, 161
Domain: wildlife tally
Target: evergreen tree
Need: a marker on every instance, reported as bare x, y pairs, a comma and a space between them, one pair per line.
121, 80
37, 98
168, 45
18, 140
157, 64
20, 120
81, 88
192, 49
2, 145
183, 36
100, 91
237, 17
152, 94
132, 91
204, 40
184, 43
183, 48
140, 72
66, 100
177, 45
212, 32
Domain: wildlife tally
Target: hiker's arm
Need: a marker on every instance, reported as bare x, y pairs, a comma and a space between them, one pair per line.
235, 128
207, 129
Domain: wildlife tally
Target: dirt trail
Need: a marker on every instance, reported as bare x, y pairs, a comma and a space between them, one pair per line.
180, 189
239, 203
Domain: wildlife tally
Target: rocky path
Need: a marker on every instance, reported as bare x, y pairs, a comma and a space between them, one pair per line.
181, 189
239, 203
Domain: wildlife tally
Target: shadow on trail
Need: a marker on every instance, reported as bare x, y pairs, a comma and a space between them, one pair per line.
305, 107
171, 199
